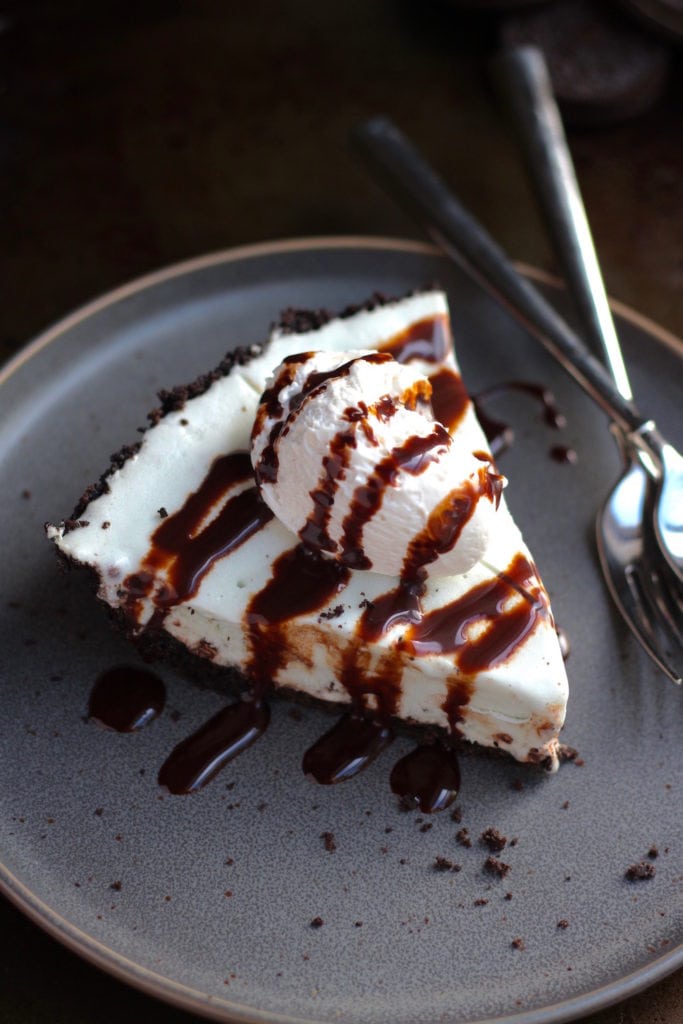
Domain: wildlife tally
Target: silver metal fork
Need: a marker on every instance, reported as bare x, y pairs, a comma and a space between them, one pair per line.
636, 557
641, 582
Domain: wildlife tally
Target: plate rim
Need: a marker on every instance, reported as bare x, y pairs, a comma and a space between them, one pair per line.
124, 969
304, 243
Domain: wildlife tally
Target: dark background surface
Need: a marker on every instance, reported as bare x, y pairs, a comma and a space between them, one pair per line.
130, 139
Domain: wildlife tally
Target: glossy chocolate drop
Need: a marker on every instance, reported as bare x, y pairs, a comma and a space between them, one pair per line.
346, 749
200, 756
560, 453
428, 777
126, 698
563, 639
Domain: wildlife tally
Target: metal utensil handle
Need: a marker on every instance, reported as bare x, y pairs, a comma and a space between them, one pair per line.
524, 81
463, 238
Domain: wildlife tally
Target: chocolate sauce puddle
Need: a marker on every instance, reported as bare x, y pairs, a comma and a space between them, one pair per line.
126, 698
428, 777
199, 757
346, 749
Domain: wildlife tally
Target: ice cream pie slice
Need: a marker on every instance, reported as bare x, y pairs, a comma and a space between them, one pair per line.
322, 515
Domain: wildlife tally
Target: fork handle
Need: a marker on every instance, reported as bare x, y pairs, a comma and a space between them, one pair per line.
524, 81
455, 230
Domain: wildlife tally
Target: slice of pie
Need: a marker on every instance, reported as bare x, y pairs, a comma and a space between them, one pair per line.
269, 521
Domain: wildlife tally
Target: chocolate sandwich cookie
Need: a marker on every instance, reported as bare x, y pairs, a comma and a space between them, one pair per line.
604, 69
662, 16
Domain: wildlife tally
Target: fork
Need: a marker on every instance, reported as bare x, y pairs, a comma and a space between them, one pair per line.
629, 538
405, 171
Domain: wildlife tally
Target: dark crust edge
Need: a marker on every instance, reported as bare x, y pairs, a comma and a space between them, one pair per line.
300, 321
169, 401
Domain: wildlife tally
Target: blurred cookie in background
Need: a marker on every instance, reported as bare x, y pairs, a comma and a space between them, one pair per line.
662, 16
605, 67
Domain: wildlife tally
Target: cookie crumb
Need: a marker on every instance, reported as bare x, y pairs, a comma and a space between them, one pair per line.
329, 841
567, 753
518, 943
444, 864
640, 872
463, 838
492, 838
332, 613
317, 922
494, 866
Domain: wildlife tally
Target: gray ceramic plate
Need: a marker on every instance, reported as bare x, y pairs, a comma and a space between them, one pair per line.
213, 894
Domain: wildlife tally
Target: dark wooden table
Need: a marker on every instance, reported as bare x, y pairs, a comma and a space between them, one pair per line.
132, 138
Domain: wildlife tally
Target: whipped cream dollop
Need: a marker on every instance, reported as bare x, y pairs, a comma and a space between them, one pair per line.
348, 455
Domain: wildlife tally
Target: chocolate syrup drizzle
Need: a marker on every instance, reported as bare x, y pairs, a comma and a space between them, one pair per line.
267, 467
413, 456
184, 550
302, 581
429, 339
499, 434
449, 398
